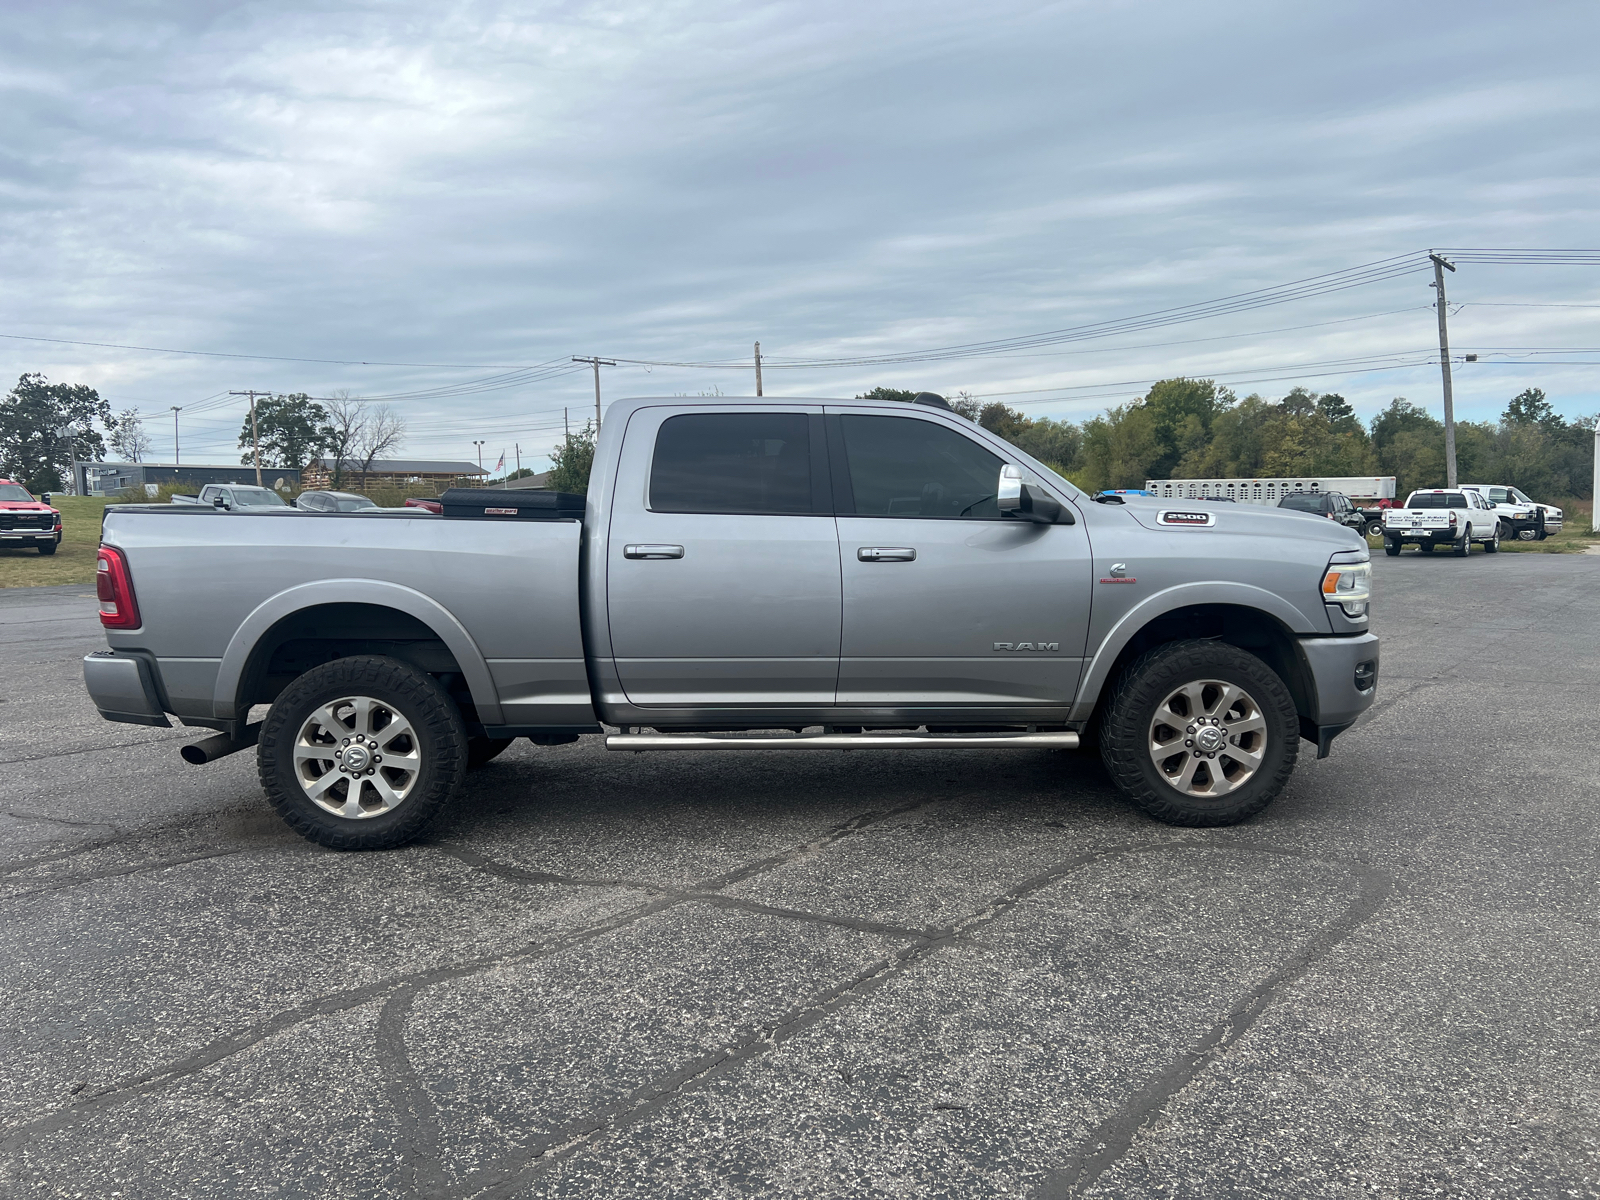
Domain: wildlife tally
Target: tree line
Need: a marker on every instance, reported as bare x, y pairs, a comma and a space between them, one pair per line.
1193, 429
44, 426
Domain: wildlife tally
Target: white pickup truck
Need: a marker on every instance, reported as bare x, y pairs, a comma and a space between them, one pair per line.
1442, 516
1521, 518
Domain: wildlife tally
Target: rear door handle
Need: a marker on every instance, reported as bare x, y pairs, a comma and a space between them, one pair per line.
886, 554
652, 552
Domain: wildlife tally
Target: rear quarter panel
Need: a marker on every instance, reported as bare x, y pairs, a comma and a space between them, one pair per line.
199, 576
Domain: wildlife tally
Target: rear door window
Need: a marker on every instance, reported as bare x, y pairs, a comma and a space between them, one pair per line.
906, 467
733, 463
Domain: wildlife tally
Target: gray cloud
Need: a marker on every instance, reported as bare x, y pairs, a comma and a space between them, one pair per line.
498, 184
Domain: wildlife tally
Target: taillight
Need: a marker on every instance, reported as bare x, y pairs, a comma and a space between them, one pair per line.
113, 584
1453, 521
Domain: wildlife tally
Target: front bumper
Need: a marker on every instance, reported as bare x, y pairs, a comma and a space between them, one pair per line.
123, 688
1337, 700
31, 536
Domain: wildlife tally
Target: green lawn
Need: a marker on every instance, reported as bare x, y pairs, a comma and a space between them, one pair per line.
73, 562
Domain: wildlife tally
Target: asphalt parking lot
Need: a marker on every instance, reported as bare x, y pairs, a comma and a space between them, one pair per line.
956, 974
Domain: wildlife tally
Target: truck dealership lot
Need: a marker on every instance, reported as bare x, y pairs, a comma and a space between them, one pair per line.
969, 973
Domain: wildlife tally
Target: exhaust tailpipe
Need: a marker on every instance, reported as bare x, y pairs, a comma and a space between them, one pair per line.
213, 748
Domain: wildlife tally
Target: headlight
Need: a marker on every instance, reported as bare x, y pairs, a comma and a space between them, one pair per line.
1349, 585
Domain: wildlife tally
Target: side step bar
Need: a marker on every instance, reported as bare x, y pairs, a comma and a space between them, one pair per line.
845, 741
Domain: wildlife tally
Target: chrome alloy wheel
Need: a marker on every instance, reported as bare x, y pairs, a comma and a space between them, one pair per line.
1208, 737
357, 758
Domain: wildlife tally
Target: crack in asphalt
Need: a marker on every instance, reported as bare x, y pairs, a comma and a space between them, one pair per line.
1111, 1140
57, 885
156, 741
128, 1089
44, 820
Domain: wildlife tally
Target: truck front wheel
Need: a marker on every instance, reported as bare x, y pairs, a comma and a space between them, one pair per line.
1200, 733
361, 753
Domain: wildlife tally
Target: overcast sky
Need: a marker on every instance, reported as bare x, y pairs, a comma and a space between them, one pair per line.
485, 186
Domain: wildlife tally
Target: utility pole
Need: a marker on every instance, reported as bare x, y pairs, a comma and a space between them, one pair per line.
255, 438
566, 425
758, 368
596, 363
1440, 266
175, 411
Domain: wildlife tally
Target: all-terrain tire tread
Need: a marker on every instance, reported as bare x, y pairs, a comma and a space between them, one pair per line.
1122, 737
429, 709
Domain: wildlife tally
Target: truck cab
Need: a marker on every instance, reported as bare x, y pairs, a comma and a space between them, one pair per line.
1521, 518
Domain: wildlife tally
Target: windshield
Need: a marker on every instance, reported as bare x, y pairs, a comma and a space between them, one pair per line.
1437, 500
14, 491
1302, 503
1518, 496
259, 497
355, 503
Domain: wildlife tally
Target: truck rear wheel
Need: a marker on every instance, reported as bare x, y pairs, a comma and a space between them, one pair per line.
361, 753
1464, 546
1200, 733
1392, 549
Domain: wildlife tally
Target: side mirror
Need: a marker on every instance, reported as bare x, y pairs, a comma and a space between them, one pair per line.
44, 497
1015, 500
219, 502
1008, 493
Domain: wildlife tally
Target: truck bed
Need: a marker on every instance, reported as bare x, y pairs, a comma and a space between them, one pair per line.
209, 584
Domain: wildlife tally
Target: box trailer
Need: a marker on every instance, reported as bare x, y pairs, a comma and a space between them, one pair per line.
1363, 490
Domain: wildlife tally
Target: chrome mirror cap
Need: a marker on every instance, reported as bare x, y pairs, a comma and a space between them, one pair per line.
1008, 495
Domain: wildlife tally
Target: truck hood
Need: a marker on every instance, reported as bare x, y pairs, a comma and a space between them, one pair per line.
24, 506
1186, 516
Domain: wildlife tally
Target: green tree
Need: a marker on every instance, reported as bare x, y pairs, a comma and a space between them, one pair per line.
1336, 409
572, 461
1529, 407
1181, 412
888, 393
31, 449
1119, 449
293, 429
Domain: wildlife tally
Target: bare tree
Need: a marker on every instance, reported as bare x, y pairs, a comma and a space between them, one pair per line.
347, 431
382, 431
128, 437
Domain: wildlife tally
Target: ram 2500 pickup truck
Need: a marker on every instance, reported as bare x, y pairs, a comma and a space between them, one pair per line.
744, 575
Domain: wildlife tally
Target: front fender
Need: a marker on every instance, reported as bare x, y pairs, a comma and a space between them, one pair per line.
355, 591
1183, 595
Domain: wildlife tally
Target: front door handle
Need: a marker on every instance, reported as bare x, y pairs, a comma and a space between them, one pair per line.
652, 552
886, 554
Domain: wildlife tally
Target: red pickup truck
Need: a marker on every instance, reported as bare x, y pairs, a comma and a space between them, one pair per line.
25, 521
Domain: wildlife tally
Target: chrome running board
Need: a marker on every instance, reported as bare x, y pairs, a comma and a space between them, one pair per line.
843, 741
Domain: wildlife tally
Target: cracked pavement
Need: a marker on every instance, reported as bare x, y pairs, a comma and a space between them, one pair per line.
969, 973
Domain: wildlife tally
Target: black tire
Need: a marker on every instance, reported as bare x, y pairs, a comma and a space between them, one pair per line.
1425, 547
1492, 546
1464, 547
46, 548
1147, 683
481, 749
1392, 549
439, 742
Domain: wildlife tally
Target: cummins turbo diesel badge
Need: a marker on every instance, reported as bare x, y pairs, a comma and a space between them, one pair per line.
1185, 516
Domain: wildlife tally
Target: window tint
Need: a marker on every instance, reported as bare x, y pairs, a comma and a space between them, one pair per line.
732, 463
905, 467
1302, 502
1437, 500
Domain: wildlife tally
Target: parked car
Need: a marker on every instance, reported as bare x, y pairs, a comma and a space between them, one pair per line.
25, 521
1439, 516
1335, 506
233, 496
890, 576
334, 502
1521, 517
432, 506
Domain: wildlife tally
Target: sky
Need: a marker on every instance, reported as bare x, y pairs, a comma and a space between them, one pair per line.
420, 201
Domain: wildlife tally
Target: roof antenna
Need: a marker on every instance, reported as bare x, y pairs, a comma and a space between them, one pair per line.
932, 400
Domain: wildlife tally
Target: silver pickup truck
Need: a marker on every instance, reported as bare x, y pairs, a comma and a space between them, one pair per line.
744, 575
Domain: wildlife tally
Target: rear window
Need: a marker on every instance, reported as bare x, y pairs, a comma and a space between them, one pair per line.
1302, 503
732, 463
1437, 500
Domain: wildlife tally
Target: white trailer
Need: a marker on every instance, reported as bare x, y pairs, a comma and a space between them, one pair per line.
1361, 489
